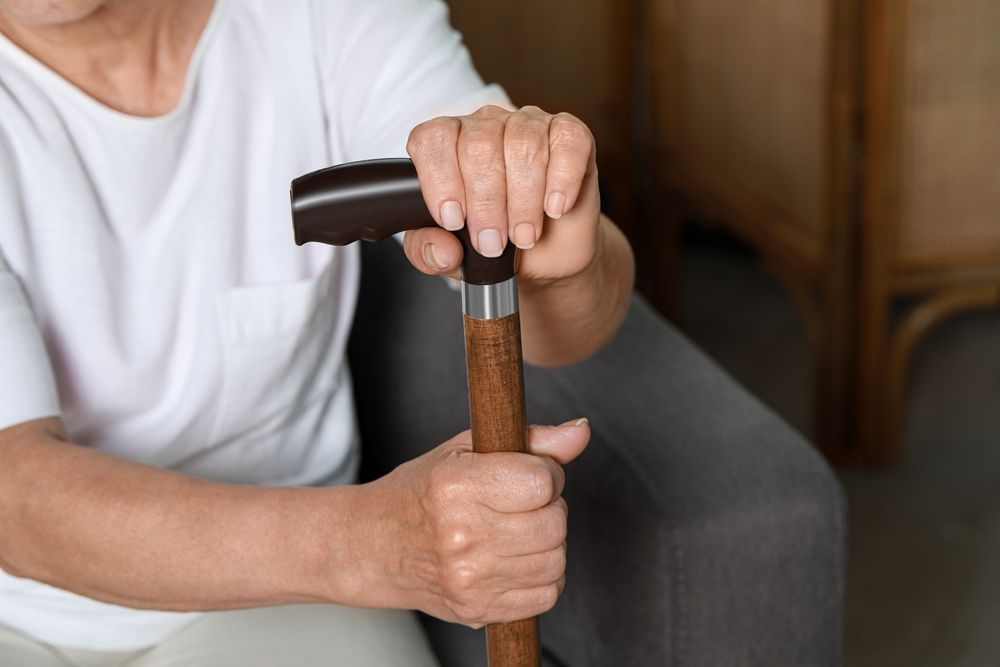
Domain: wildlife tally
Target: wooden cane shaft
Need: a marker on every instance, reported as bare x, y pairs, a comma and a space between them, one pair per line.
514, 643
496, 384
499, 424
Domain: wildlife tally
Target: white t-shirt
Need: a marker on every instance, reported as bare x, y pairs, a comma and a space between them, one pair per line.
150, 291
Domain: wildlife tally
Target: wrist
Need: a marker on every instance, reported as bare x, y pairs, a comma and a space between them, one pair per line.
328, 559
565, 322
357, 554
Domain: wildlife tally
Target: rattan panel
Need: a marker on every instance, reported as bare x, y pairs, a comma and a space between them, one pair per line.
751, 106
950, 132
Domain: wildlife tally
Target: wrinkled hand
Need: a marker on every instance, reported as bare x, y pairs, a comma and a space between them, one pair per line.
526, 176
473, 538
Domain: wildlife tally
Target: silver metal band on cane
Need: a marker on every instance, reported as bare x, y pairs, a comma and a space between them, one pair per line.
490, 302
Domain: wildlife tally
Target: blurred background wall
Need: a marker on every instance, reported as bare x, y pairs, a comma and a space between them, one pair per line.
566, 55
812, 188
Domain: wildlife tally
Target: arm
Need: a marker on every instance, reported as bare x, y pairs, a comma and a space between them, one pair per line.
140, 536
463, 537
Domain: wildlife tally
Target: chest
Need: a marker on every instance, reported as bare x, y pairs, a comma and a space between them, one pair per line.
200, 193
158, 258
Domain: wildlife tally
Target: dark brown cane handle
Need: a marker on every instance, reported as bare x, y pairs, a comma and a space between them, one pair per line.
372, 200
496, 401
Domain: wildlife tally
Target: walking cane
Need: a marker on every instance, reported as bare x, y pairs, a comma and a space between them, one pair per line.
374, 199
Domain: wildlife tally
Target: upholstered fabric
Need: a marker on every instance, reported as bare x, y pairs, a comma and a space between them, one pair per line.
703, 530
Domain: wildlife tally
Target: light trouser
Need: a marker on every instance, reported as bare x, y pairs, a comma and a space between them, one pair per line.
288, 636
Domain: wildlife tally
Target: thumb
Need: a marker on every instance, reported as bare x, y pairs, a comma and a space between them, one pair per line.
433, 251
562, 443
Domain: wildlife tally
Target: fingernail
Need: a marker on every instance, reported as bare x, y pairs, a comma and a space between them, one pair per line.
451, 216
490, 243
555, 205
432, 258
577, 422
524, 236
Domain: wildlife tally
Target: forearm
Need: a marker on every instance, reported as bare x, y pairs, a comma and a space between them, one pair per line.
139, 536
565, 321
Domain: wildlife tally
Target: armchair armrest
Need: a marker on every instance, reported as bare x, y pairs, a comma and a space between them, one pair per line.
703, 530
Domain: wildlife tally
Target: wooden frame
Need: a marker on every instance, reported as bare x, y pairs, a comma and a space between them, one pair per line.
846, 288
971, 282
822, 284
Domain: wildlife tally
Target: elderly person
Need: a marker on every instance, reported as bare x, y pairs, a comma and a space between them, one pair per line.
177, 422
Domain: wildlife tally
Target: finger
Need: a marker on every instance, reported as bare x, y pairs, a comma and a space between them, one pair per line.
525, 603
434, 251
514, 482
562, 443
529, 533
481, 159
432, 147
526, 155
571, 151
534, 570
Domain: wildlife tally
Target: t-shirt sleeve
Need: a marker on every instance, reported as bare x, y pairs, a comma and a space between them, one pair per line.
387, 66
27, 385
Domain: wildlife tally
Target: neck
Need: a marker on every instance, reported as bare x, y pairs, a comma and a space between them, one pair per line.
131, 55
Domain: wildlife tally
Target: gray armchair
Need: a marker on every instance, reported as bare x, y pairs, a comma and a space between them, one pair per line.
703, 530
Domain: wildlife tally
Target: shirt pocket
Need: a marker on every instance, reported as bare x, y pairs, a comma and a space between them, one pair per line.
279, 360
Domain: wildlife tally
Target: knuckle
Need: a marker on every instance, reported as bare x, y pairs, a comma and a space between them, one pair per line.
467, 612
450, 473
558, 479
567, 130
568, 118
449, 525
549, 597
541, 483
553, 528
558, 565
442, 487
560, 529
481, 153
459, 580
561, 510
525, 148
491, 110
453, 540
430, 135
